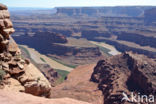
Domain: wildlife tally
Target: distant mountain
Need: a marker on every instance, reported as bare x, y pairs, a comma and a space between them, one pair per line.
116, 11
30, 11
131, 11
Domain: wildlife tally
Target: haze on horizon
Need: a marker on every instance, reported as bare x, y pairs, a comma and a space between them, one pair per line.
73, 3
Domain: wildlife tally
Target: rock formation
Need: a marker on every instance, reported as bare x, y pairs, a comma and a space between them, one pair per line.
49, 73
126, 73
42, 41
101, 11
150, 16
122, 30
20, 74
77, 52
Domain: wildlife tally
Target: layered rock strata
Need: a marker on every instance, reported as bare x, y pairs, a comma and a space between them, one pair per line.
19, 74
126, 73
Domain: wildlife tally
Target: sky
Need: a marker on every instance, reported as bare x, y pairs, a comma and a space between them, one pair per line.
64, 3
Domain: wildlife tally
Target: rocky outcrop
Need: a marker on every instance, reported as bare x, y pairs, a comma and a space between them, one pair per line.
41, 64
49, 73
126, 73
20, 74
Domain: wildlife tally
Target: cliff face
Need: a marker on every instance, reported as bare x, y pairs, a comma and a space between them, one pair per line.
77, 52
125, 73
101, 11
105, 82
42, 41
150, 15
50, 43
125, 33
20, 74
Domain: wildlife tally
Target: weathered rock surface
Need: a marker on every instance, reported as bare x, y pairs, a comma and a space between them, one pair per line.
127, 73
20, 74
150, 16
34, 82
10, 97
49, 73
42, 65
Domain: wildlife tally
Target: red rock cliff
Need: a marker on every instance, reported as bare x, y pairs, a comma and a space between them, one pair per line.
18, 74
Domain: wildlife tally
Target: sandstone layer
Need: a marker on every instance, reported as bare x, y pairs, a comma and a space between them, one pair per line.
22, 98
126, 73
18, 73
121, 29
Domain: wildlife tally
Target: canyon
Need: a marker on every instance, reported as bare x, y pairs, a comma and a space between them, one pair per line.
106, 81
18, 75
127, 72
77, 55
113, 25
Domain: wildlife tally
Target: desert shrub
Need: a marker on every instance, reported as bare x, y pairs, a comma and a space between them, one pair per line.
63, 74
42, 59
2, 73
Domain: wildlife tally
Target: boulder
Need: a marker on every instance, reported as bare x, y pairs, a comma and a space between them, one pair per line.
34, 81
13, 85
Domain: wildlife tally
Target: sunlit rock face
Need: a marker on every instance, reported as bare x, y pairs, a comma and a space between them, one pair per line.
19, 74
127, 72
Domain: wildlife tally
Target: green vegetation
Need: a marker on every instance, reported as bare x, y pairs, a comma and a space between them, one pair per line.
42, 59
63, 74
25, 50
105, 50
2, 73
38, 79
71, 66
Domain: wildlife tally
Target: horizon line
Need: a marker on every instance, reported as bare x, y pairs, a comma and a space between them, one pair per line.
85, 6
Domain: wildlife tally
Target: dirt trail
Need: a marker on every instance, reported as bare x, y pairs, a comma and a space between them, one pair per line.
36, 56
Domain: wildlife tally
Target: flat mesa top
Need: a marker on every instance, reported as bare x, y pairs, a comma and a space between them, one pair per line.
79, 43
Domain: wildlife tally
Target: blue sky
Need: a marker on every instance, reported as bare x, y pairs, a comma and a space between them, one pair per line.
56, 3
